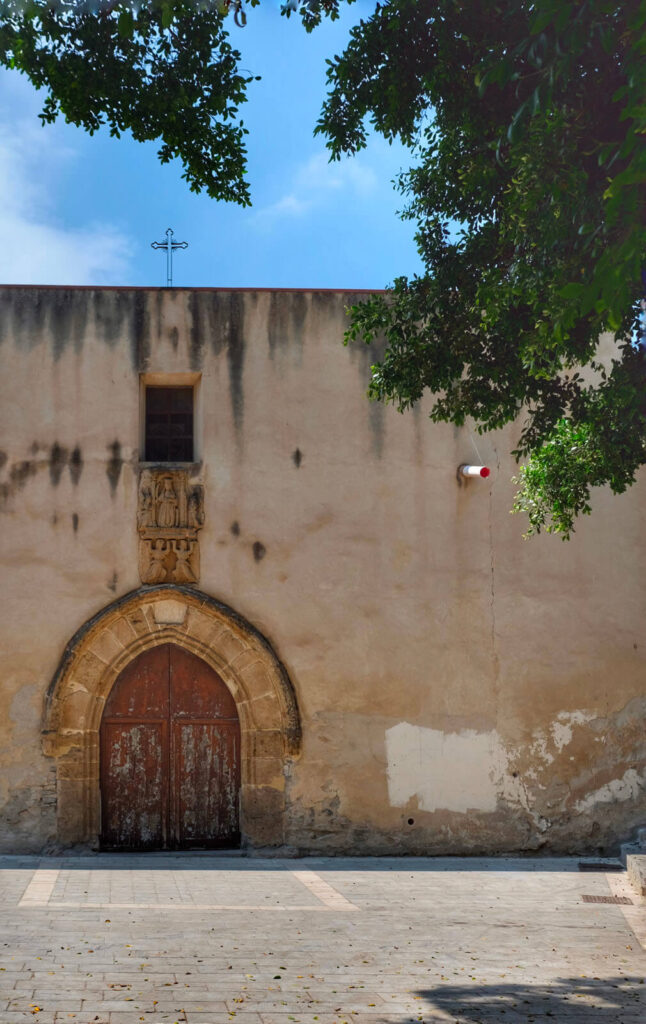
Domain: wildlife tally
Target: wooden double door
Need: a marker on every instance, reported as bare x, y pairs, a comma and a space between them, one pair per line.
170, 756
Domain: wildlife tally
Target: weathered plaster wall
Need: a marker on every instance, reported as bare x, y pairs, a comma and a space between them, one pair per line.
460, 689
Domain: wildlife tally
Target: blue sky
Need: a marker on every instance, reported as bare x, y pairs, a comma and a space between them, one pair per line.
83, 210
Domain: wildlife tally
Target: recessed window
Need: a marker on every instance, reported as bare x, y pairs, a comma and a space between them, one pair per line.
169, 424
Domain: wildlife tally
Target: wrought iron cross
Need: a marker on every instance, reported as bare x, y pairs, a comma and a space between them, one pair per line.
169, 245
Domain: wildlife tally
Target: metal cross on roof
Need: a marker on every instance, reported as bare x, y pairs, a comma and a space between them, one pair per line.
169, 245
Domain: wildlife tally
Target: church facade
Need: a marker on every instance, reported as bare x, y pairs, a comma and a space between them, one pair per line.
242, 605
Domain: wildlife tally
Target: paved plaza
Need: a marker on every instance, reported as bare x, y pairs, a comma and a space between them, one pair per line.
120, 939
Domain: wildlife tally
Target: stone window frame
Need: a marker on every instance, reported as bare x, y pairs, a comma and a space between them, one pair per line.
245, 660
172, 380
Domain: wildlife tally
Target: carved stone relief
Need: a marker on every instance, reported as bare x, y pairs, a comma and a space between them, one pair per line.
169, 516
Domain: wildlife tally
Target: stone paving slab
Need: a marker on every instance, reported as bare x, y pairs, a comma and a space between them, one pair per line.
125, 940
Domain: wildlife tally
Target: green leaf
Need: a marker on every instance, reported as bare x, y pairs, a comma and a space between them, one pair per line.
126, 24
572, 290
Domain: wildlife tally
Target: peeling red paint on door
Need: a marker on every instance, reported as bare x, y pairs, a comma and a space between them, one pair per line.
170, 756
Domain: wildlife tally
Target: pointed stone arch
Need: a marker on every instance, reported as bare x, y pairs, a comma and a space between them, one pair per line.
242, 657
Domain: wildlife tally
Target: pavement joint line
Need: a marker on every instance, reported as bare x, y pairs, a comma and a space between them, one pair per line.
323, 891
41, 887
634, 915
51, 905
38, 895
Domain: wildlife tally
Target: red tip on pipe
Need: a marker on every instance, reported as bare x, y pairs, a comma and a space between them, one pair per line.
485, 471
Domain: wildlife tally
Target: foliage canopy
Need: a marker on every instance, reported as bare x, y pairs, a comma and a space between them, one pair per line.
161, 69
526, 121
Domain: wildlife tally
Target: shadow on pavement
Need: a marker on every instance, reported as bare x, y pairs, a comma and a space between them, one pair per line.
615, 1000
240, 860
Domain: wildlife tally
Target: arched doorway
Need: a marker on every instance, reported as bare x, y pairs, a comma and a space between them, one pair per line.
169, 756
142, 621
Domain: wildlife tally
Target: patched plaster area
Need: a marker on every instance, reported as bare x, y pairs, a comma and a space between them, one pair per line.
472, 771
548, 744
444, 771
631, 786
562, 728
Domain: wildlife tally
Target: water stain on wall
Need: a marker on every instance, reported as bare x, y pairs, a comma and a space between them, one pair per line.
199, 329
23, 313
68, 318
111, 314
277, 322
286, 321
114, 464
376, 411
235, 357
139, 330
20, 473
76, 465
57, 462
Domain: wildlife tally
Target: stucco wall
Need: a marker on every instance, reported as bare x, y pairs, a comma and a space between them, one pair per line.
460, 689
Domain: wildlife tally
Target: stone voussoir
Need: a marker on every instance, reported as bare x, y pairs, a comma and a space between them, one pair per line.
123, 630
106, 646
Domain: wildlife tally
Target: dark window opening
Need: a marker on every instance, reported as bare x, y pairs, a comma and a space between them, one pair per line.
169, 424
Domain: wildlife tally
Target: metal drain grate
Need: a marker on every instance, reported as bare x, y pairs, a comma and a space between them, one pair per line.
608, 899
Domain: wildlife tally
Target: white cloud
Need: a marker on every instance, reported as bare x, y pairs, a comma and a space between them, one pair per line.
314, 181
36, 247
318, 174
290, 205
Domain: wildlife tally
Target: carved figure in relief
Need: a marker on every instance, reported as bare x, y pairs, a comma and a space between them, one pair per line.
183, 572
157, 569
167, 504
146, 513
170, 514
